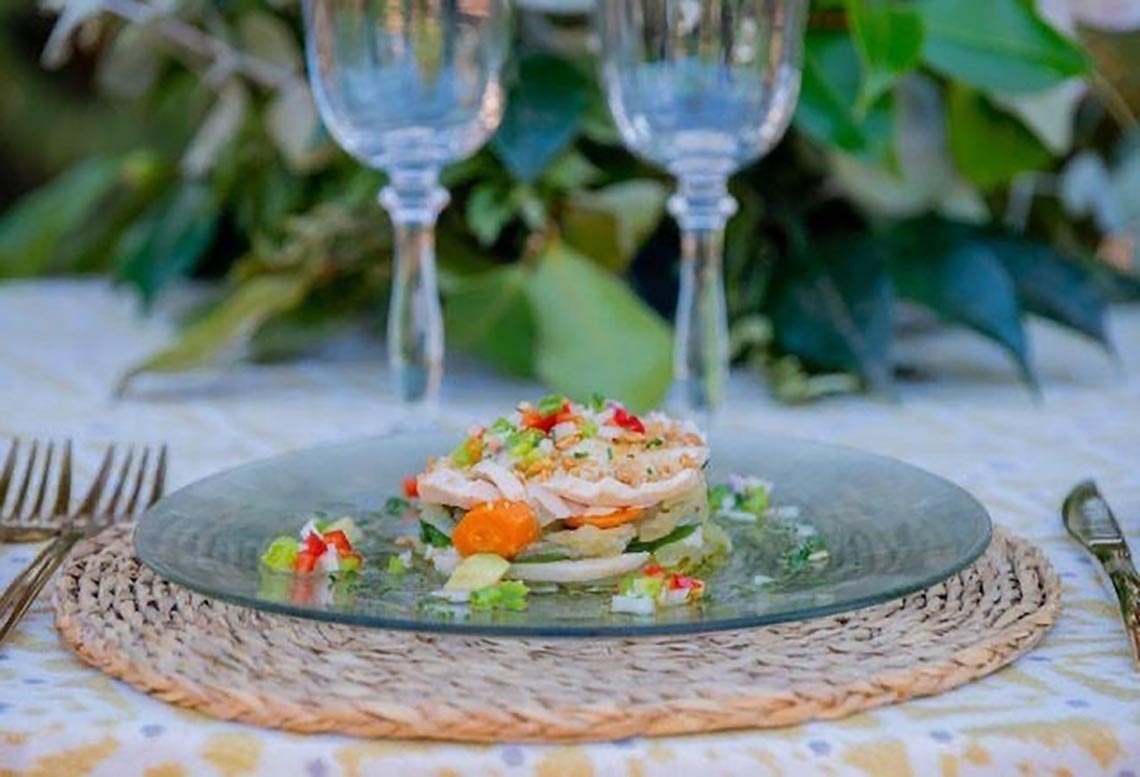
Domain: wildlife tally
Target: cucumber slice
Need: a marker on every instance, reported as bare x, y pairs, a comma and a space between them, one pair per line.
477, 571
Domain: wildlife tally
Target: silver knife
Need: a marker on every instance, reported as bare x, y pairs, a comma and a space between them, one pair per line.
1090, 520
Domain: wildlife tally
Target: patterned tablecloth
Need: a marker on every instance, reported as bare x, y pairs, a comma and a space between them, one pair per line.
1071, 707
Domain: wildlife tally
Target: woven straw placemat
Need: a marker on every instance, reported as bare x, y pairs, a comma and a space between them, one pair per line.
284, 672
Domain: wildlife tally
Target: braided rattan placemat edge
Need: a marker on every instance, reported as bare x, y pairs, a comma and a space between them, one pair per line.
241, 664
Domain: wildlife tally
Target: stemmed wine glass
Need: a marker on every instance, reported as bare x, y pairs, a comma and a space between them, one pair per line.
701, 87
407, 86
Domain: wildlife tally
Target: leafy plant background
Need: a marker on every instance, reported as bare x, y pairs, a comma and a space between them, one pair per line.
966, 156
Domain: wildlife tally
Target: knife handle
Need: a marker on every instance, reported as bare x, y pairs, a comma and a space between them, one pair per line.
1127, 584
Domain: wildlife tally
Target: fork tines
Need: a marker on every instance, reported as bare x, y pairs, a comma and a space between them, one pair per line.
27, 478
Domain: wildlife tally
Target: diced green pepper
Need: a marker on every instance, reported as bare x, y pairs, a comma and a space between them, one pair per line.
350, 563
589, 428
646, 586
396, 566
281, 554
430, 535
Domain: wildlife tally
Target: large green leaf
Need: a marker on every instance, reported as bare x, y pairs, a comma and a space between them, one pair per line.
833, 309
989, 146
31, 231
965, 281
888, 38
489, 315
227, 325
828, 108
544, 112
170, 240
594, 334
609, 225
1048, 283
997, 44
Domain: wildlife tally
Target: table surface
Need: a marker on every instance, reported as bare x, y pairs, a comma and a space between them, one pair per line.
1072, 706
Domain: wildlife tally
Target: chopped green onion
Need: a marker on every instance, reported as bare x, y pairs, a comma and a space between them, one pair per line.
656, 442
580, 454
502, 426
755, 500
597, 402
549, 405
718, 494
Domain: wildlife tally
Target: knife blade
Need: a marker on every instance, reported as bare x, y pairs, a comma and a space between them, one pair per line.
1089, 519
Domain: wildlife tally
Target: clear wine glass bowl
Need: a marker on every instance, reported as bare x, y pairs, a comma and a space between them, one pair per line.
701, 88
408, 86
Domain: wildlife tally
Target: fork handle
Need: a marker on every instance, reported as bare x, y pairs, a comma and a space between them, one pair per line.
18, 597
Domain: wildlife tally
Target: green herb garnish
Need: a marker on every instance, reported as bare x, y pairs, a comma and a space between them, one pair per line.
396, 566
502, 427
656, 442
597, 402
589, 428
396, 506
579, 454
551, 405
430, 535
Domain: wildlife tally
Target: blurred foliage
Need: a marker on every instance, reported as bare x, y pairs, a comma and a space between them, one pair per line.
963, 155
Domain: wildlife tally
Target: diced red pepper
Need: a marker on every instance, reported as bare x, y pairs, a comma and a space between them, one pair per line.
314, 545
652, 570
627, 420
306, 561
338, 540
411, 487
681, 582
532, 419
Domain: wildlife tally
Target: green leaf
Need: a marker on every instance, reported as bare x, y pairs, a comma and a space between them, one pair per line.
488, 210
169, 241
292, 124
1048, 283
609, 225
1001, 45
31, 231
888, 38
834, 309
989, 146
269, 37
965, 281
489, 315
829, 94
544, 112
594, 334
129, 67
227, 325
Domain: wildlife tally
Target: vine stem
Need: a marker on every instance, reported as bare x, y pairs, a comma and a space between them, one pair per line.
222, 58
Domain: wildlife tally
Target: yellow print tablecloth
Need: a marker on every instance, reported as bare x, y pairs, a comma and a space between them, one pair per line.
1071, 707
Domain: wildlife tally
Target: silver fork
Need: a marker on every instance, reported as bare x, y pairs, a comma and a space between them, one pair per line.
20, 594
31, 520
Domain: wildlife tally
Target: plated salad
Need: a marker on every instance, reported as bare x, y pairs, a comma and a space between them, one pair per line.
571, 494
557, 496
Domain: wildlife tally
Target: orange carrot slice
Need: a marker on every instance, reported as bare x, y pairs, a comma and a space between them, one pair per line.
607, 521
501, 527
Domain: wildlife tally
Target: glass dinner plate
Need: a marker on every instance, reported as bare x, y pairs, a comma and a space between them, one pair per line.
889, 529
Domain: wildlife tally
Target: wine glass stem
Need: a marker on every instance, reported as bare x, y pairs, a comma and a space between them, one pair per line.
702, 208
414, 199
